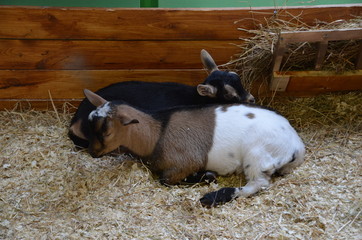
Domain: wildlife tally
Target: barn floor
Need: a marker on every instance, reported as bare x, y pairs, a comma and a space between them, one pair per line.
48, 190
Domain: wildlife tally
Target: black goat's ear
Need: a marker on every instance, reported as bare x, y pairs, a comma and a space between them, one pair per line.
126, 120
206, 90
94, 98
208, 61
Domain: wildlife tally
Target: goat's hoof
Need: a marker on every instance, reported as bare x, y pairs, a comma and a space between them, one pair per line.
164, 183
210, 177
221, 196
200, 177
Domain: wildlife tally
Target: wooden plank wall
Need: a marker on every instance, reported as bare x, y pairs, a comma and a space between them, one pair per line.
60, 51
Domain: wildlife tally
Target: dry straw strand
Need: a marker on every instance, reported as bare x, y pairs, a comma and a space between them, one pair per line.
254, 62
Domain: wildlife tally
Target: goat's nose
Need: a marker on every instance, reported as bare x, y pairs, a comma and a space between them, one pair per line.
250, 99
94, 154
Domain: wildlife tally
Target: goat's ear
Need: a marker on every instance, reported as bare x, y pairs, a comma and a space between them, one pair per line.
75, 129
208, 61
126, 120
206, 90
94, 98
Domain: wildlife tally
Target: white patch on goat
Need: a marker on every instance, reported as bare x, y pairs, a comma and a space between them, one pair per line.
260, 140
101, 111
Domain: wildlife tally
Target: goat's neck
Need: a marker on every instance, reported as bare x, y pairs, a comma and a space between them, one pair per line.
142, 137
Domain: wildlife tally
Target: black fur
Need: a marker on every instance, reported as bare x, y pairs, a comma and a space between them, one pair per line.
221, 196
156, 96
293, 158
200, 177
220, 78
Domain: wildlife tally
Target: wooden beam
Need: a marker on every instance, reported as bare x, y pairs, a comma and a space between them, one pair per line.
94, 54
322, 35
279, 83
308, 83
278, 54
322, 81
359, 57
322, 50
68, 84
151, 24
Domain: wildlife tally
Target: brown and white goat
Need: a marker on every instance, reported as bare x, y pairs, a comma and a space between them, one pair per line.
178, 142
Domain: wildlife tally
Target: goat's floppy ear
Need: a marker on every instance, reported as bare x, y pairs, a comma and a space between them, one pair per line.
126, 120
208, 61
95, 99
206, 90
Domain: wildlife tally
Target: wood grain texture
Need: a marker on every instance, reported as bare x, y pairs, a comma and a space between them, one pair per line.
67, 94
316, 85
72, 54
63, 50
152, 24
68, 84
323, 81
34, 84
321, 35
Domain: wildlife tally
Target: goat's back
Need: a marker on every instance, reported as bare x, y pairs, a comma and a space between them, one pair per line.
245, 134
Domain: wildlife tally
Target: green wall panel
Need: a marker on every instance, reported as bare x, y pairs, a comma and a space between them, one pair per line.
149, 3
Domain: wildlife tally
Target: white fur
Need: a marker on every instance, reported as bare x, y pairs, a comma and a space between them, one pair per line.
102, 111
255, 141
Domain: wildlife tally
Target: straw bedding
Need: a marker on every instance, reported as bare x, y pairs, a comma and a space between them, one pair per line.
49, 190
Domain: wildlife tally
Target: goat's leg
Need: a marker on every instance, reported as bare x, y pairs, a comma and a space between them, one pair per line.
220, 196
224, 195
173, 176
200, 177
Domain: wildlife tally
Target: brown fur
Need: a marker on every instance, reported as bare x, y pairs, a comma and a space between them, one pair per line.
250, 115
130, 136
183, 148
175, 152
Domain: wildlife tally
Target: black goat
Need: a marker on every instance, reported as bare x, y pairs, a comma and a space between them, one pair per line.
219, 87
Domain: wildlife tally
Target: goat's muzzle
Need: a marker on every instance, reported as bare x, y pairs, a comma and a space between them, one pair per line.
95, 154
250, 98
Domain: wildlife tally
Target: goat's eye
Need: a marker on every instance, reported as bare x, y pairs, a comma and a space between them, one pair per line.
107, 134
228, 96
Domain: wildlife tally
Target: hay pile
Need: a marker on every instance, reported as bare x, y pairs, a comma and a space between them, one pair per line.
48, 190
255, 61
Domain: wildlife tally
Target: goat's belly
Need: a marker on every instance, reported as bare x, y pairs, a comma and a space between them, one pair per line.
224, 162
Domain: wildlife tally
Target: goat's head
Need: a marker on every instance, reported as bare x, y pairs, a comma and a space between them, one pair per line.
108, 125
223, 85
